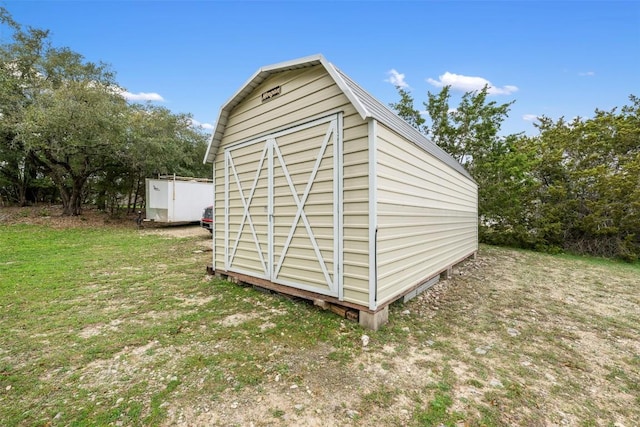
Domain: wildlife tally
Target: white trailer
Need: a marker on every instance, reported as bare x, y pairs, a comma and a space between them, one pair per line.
174, 199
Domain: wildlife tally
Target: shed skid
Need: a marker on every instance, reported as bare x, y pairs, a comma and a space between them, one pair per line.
370, 319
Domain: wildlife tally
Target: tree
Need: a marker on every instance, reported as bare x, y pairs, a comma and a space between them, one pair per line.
157, 142
506, 189
45, 92
588, 200
17, 60
74, 131
469, 130
63, 121
404, 108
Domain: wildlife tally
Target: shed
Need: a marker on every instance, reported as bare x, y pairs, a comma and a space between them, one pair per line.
323, 192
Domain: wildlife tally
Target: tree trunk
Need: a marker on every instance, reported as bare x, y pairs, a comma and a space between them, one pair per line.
73, 206
101, 200
135, 200
129, 197
22, 195
65, 197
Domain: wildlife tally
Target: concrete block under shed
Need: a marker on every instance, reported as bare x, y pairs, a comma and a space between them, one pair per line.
374, 320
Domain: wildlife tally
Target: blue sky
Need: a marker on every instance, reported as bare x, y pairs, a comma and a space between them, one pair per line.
553, 58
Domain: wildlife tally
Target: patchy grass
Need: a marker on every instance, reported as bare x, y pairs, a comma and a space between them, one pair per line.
117, 326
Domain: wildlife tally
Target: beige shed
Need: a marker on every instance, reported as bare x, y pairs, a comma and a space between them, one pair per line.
322, 192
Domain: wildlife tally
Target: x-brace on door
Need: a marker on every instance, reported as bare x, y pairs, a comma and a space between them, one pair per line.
283, 207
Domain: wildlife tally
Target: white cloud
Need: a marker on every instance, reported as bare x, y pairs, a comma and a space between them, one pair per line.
587, 74
141, 96
530, 117
470, 83
396, 79
207, 126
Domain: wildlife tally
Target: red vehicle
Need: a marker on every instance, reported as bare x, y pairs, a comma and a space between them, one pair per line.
207, 219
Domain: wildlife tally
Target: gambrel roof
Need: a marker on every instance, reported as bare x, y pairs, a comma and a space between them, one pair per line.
365, 104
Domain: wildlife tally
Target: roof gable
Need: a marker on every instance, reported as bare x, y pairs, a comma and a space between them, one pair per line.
364, 103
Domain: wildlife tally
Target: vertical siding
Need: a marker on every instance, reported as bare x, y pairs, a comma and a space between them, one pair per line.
306, 93
218, 212
427, 215
356, 209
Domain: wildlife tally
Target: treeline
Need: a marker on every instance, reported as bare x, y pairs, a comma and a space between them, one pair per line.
68, 135
573, 187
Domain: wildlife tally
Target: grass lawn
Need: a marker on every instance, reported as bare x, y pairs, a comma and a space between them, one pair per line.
117, 326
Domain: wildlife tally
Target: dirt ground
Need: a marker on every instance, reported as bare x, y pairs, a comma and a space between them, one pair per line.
513, 338
51, 215
333, 397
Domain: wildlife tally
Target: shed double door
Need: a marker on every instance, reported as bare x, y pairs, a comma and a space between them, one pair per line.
282, 207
